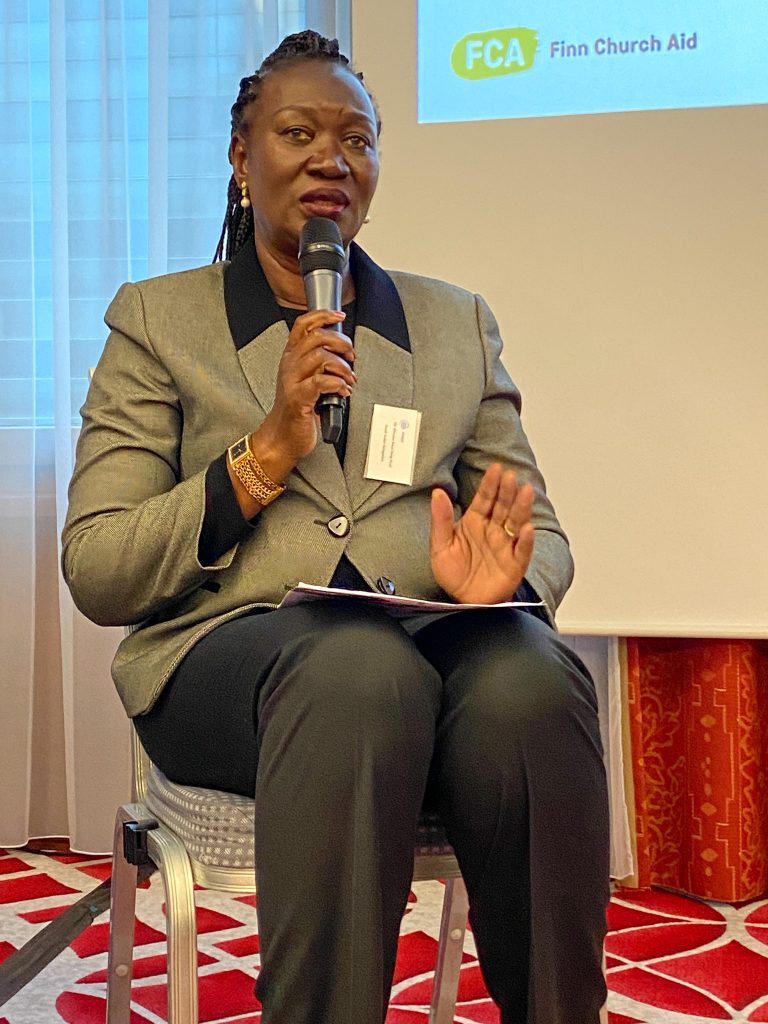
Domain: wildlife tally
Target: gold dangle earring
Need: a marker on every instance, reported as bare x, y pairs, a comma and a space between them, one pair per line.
245, 200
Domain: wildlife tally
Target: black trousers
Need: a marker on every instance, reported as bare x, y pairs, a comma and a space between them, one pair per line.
343, 725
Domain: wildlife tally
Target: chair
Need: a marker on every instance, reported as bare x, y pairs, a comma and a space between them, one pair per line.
205, 837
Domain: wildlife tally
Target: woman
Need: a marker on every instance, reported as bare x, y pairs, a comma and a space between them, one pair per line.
201, 493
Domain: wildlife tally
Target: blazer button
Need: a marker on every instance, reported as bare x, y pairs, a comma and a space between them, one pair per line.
338, 526
385, 586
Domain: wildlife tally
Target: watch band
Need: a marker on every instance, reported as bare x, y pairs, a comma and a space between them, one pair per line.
250, 474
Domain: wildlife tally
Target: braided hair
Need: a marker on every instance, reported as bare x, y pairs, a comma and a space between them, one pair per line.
301, 46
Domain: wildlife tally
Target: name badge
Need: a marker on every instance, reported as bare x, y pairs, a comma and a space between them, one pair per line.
392, 444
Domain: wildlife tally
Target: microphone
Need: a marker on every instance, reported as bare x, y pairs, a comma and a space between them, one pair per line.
321, 261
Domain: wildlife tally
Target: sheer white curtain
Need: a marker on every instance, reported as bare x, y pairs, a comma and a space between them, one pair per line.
114, 124
601, 655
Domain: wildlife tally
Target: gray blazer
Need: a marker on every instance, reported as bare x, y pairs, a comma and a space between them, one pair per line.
189, 366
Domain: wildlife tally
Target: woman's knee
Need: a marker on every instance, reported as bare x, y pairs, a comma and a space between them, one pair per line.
522, 674
548, 678
521, 720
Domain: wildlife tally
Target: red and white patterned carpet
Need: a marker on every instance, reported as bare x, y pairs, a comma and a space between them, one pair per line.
670, 960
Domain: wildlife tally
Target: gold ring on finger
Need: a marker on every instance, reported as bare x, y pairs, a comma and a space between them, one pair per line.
508, 530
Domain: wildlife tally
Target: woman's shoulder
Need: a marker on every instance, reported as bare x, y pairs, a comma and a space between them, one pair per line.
429, 288
206, 277
180, 299
184, 289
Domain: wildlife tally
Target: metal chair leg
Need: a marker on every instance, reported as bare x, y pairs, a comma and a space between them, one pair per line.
168, 852
604, 1007
453, 925
122, 915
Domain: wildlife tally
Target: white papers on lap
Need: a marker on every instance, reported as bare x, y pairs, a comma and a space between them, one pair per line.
399, 607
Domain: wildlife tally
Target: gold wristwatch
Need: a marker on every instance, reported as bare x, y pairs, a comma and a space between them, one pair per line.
250, 474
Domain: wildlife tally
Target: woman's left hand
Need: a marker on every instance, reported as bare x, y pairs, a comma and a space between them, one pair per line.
482, 558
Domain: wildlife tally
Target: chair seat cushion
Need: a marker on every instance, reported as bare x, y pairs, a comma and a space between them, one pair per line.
217, 827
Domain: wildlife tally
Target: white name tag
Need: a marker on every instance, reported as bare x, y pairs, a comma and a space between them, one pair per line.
392, 444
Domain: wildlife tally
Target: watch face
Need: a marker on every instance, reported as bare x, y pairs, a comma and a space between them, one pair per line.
238, 449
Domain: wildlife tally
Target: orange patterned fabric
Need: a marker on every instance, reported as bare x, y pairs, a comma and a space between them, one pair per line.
698, 714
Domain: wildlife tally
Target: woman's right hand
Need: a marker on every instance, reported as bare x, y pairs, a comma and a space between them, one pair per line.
316, 361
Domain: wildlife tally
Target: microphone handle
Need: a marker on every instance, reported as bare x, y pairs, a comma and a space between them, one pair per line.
323, 290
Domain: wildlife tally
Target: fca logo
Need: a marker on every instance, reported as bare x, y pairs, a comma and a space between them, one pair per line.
497, 52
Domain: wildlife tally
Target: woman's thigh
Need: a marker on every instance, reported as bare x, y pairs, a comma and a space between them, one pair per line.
519, 712
506, 667
324, 659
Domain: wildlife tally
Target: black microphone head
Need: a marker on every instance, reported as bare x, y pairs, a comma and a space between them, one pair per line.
321, 247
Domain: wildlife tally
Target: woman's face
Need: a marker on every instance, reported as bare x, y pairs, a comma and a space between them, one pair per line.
310, 150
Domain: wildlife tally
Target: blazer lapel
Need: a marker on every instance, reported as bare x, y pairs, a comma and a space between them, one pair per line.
260, 359
384, 365
384, 377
